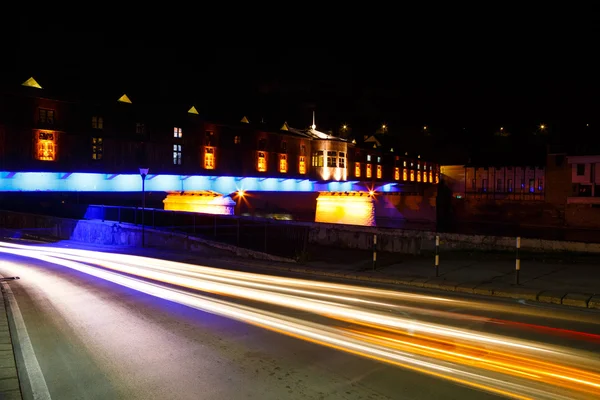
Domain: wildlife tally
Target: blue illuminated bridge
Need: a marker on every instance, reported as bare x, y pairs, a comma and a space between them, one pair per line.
96, 182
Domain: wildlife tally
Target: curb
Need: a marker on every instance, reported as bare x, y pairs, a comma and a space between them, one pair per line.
10, 387
572, 299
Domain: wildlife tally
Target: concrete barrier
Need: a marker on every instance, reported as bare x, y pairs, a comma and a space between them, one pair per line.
334, 235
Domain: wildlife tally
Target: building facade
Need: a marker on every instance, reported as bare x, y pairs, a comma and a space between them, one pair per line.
41, 133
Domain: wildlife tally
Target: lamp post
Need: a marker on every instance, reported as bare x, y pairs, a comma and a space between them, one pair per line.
143, 174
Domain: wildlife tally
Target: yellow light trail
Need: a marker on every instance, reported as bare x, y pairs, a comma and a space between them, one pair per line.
499, 364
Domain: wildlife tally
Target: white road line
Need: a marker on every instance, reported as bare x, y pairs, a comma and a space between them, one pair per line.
39, 389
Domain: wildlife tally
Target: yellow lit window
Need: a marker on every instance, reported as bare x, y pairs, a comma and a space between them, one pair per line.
46, 146
418, 176
302, 165
97, 122
404, 174
404, 163
209, 157
357, 169
425, 176
97, 148
261, 164
379, 172
283, 163
437, 178
237, 139
397, 173
412, 175
431, 176
369, 173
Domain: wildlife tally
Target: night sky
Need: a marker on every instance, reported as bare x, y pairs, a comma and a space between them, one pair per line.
455, 80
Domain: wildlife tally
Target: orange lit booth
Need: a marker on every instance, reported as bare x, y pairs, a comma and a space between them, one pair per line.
205, 202
352, 208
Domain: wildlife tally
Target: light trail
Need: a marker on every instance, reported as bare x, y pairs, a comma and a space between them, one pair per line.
362, 321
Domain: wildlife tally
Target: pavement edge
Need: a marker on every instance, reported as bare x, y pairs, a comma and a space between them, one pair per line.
10, 384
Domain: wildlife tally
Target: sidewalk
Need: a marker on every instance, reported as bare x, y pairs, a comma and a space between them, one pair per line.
9, 380
569, 282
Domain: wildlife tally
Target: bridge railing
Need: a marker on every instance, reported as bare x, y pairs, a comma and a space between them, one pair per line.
259, 234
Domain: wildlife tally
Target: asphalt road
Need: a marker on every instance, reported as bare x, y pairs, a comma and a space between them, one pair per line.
95, 339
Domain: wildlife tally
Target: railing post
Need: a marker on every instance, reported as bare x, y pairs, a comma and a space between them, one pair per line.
374, 251
518, 261
437, 255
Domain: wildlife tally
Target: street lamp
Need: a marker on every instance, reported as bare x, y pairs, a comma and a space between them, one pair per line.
143, 174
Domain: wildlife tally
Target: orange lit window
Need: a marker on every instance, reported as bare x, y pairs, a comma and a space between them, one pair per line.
369, 173
209, 157
437, 178
97, 122
177, 133
283, 163
425, 176
397, 173
418, 176
431, 176
404, 174
412, 175
302, 165
261, 164
379, 172
357, 169
46, 147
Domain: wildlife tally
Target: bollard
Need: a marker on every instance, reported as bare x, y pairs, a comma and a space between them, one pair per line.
374, 252
518, 262
437, 256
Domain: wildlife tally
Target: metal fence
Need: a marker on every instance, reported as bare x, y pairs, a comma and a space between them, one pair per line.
265, 235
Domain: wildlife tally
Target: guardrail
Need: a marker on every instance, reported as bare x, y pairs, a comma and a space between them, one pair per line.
269, 236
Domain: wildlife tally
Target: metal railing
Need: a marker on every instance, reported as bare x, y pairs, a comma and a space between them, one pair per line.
259, 234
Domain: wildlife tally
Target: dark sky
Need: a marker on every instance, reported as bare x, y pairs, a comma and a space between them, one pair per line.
448, 77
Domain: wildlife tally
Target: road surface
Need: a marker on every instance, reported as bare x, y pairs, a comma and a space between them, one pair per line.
105, 326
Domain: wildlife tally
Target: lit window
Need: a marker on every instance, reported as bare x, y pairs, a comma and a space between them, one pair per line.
331, 159
97, 148
404, 174
46, 116
378, 159
431, 176
437, 178
176, 154
379, 172
418, 166
177, 133
369, 172
412, 175
97, 122
404, 163
418, 176
302, 165
261, 164
342, 160
425, 176
140, 128
237, 139
46, 146
540, 185
397, 173
283, 163
317, 159
209, 157
368, 157
357, 169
